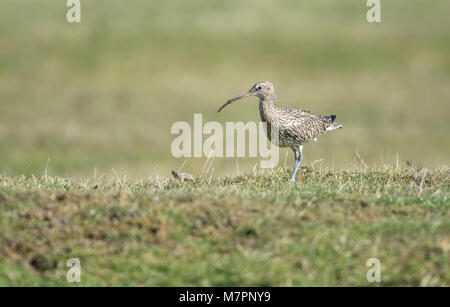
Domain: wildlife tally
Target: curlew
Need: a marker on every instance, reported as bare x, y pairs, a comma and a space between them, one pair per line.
295, 127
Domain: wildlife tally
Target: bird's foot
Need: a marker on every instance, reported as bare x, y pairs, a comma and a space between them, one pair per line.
292, 180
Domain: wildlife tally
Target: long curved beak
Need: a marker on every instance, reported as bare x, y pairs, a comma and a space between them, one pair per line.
234, 99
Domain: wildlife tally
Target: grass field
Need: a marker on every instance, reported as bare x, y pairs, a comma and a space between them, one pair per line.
247, 230
92, 104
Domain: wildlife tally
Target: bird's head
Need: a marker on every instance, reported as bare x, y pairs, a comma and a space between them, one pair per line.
260, 89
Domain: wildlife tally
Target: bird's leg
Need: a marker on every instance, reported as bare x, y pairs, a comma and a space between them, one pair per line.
296, 165
298, 160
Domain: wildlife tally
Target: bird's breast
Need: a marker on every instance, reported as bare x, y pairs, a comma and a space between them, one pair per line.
288, 134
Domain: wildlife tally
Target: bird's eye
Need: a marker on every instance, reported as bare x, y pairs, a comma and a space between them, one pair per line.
258, 87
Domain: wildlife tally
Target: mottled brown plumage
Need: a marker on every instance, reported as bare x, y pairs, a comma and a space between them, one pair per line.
295, 127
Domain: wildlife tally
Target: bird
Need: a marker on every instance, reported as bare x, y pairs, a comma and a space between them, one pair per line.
295, 127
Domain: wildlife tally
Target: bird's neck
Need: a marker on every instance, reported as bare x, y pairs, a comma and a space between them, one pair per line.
268, 100
267, 107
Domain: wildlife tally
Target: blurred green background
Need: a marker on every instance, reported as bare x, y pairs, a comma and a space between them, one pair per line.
105, 92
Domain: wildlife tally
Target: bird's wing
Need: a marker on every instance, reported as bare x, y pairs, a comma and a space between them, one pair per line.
296, 111
295, 116
305, 125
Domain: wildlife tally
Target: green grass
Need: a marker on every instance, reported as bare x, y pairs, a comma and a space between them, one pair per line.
255, 230
78, 100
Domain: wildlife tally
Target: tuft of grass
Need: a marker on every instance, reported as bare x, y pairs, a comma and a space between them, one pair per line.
244, 230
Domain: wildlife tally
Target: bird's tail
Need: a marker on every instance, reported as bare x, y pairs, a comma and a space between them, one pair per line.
334, 125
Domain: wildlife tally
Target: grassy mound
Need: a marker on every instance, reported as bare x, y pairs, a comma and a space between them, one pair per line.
247, 230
